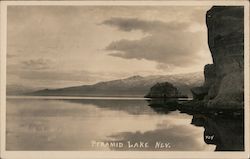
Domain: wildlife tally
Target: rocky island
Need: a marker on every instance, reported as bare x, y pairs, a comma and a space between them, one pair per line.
164, 90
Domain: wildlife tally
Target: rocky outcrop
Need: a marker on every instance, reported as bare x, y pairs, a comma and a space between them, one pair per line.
164, 90
224, 79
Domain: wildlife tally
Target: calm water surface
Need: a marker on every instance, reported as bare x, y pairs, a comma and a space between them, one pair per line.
76, 124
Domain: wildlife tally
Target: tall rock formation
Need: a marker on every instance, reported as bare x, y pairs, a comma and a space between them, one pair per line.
224, 79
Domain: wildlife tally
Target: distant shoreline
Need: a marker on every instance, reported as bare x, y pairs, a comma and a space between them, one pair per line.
82, 97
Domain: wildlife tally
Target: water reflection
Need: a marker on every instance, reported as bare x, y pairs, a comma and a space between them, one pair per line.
163, 106
73, 124
165, 138
133, 107
226, 132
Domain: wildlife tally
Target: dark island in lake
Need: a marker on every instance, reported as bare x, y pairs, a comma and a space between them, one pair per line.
164, 90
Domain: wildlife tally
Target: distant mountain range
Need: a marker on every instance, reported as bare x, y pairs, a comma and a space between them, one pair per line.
19, 89
133, 86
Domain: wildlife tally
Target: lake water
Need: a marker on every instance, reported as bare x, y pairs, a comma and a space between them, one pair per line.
108, 124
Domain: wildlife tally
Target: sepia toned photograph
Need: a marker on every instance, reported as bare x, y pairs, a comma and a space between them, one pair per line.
124, 78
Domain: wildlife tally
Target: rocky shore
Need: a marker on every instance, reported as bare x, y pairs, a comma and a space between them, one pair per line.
224, 79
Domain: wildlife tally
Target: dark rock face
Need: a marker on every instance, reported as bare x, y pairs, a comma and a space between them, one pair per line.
199, 92
224, 79
164, 90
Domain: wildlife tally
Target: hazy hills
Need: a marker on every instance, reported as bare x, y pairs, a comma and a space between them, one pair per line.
132, 86
20, 89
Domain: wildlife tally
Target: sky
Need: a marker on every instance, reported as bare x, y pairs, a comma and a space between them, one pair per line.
60, 46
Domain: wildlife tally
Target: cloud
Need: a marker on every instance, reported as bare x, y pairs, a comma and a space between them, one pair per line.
50, 41
129, 24
37, 64
168, 44
51, 76
11, 56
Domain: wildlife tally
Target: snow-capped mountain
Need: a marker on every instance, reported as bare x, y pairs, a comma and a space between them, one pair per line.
132, 86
